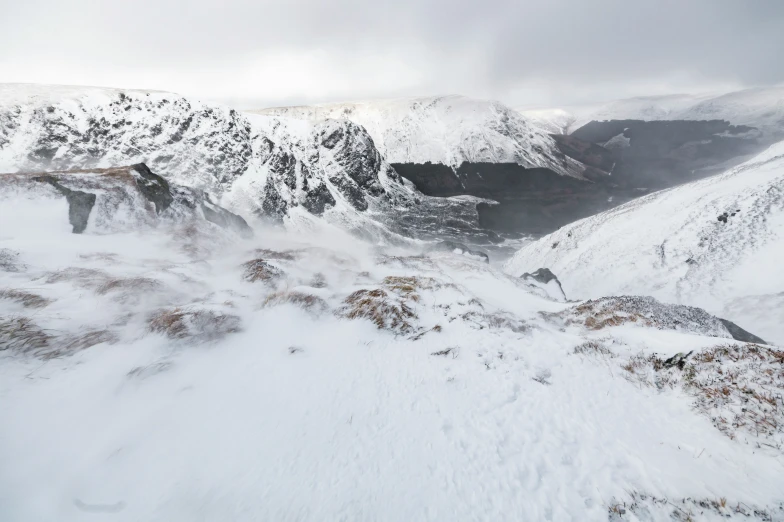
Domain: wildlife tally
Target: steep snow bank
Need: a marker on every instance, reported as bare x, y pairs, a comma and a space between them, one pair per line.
714, 243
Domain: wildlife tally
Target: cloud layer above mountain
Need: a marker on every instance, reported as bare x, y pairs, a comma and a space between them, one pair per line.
259, 52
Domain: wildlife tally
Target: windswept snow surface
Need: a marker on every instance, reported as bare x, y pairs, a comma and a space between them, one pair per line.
447, 129
717, 243
183, 373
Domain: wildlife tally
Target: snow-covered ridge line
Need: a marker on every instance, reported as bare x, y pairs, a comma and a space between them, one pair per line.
761, 107
449, 130
266, 166
713, 243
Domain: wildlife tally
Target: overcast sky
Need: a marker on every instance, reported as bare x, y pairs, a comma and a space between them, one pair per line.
523, 52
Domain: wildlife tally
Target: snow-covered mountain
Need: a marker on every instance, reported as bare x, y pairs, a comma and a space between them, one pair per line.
284, 170
761, 107
448, 130
716, 243
179, 372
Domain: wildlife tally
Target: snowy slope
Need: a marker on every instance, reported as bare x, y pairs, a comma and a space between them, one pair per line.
715, 243
448, 130
648, 108
172, 374
302, 173
761, 107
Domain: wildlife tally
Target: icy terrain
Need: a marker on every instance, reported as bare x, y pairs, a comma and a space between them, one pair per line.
159, 367
762, 108
294, 172
449, 130
717, 243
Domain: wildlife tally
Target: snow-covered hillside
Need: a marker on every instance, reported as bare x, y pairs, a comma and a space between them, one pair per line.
449, 130
761, 107
717, 243
179, 372
260, 166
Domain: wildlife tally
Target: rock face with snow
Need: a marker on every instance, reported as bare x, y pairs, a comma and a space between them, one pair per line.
449, 130
121, 199
713, 243
261, 166
544, 278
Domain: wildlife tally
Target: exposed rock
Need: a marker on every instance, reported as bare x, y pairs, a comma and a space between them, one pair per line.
646, 311
153, 187
546, 280
80, 204
739, 334
123, 198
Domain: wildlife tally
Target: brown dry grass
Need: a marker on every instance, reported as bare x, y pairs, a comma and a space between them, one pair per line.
385, 311
309, 302
260, 270
740, 387
26, 299
198, 325
137, 284
21, 334
87, 277
285, 255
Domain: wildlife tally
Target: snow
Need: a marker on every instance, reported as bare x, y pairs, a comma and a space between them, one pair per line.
449, 130
673, 246
304, 414
761, 107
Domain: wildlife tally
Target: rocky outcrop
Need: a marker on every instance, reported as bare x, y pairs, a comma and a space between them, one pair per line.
544, 278
445, 130
120, 199
646, 311
267, 166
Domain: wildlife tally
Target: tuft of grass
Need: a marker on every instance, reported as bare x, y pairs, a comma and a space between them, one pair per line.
385, 311
308, 302
193, 324
21, 334
9, 261
260, 270
139, 284
740, 387
26, 299
593, 348
285, 255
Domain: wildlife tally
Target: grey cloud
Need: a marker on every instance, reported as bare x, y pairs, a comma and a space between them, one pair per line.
487, 48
